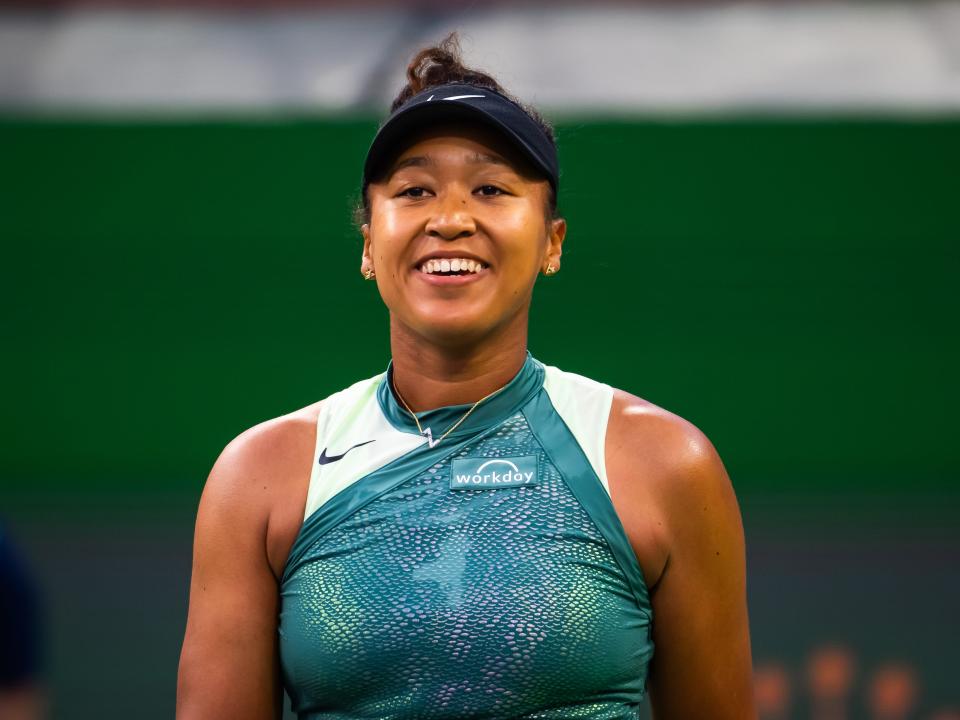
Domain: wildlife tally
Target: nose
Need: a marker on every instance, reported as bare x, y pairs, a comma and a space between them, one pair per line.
451, 218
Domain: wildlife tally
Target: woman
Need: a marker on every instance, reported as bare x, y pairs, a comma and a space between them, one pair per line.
471, 533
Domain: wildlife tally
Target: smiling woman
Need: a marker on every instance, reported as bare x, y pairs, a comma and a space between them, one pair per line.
471, 533
453, 196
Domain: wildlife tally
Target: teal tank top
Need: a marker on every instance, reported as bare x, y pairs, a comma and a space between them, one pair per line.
484, 576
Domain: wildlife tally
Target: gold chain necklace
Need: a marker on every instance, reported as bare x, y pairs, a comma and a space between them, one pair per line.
428, 434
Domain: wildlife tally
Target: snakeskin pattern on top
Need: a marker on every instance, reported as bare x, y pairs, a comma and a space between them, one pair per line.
439, 603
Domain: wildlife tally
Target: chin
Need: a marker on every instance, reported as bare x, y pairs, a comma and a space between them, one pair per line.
450, 326
453, 334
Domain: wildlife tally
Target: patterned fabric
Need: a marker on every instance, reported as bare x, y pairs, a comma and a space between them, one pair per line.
411, 595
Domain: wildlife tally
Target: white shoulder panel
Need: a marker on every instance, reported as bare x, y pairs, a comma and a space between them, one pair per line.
351, 425
584, 405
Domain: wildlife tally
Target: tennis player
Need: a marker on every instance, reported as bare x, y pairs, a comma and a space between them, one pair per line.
471, 533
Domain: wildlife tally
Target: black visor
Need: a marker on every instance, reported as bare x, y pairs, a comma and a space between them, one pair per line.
462, 103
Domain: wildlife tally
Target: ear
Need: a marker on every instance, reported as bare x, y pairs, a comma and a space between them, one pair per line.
366, 259
557, 231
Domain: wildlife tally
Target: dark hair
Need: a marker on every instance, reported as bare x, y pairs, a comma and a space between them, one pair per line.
442, 64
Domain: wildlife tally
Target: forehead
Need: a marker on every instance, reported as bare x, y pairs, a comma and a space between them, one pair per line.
464, 144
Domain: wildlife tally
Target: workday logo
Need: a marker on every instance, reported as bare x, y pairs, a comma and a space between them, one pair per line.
490, 473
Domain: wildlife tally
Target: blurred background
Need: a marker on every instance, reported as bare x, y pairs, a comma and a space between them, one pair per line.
764, 209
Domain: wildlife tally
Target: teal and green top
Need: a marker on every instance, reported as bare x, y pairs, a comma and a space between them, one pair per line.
484, 576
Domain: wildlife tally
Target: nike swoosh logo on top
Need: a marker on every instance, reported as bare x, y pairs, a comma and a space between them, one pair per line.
324, 458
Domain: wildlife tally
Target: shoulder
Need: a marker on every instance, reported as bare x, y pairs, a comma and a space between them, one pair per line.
259, 483
679, 458
264, 451
268, 454
257, 487
667, 482
636, 429
667, 450
659, 459
272, 451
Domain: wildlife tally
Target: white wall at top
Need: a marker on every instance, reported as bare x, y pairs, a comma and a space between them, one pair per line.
801, 55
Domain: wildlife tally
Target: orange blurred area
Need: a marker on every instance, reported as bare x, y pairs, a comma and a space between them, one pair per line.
772, 690
835, 685
830, 672
893, 692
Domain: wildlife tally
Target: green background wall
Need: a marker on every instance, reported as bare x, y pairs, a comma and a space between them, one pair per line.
790, 286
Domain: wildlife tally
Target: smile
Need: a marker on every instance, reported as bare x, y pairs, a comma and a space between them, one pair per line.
451, 271
451, 266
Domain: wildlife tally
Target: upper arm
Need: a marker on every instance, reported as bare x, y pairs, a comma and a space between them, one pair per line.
701, 632
701, 665
229, 665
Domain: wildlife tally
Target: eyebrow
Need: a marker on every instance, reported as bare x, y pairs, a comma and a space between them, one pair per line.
426, 161
415, 161
485, 158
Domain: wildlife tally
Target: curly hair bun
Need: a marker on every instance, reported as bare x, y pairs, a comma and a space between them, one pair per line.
442, 64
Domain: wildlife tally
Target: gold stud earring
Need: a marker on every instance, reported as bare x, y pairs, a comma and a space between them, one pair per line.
550, 270
368, 274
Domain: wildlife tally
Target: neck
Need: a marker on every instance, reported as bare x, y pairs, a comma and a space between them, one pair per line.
430, 375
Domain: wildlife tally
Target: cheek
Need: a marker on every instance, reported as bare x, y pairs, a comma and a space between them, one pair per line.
388, 232
388, 224
524, 238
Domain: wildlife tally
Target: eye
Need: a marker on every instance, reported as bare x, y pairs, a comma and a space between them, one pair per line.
490, 190
413, 192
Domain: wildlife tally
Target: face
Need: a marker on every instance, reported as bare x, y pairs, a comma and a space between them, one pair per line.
458, 233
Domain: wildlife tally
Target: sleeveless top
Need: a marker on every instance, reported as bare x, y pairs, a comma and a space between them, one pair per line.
485, 576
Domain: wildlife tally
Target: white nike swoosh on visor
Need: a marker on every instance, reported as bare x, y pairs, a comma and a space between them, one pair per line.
461, 97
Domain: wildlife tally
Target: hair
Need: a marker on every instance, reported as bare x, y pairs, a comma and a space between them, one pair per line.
442, 64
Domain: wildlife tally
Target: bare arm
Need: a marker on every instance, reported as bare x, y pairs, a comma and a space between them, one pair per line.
229, 666
701, 666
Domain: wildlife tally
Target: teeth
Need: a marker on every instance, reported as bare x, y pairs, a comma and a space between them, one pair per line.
451, 265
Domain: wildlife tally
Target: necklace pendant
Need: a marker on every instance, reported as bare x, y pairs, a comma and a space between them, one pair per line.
429, 436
